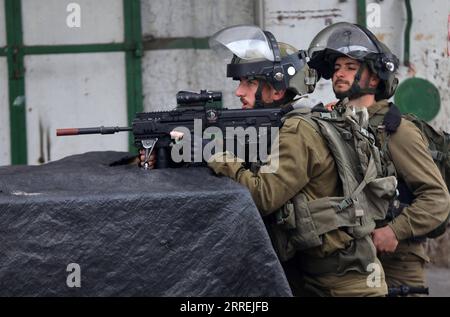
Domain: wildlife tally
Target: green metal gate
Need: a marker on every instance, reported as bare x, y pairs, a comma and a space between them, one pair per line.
15, 52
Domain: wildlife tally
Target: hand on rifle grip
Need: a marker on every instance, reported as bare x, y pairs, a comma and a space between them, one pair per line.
151, 161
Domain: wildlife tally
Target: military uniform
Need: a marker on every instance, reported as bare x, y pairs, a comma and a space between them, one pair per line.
408, 151
306, 166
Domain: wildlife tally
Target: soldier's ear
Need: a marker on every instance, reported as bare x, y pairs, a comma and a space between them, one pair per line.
374, 80
278, 95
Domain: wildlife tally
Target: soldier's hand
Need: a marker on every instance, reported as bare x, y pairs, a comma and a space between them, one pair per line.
329, 106
176, 135
384, 239
197, 143
151, 161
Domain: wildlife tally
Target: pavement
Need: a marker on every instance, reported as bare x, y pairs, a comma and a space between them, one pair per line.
438, 281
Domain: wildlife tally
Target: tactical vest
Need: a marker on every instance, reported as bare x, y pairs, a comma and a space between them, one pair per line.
384, 125
300, 224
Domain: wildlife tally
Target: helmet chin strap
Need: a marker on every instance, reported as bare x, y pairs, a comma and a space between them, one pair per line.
355, 90
258, 97
259, 103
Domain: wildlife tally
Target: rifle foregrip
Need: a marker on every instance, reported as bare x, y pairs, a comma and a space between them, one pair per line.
69, 131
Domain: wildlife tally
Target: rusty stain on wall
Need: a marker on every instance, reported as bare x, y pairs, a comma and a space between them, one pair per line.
380, 36
420, 37
448, 39
281, 15
305, 11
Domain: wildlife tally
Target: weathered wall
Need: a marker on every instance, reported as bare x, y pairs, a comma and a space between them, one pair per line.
5, 151
44, 22
73, 90
2, 24
297, 22
429, 45
167, 71
5, 155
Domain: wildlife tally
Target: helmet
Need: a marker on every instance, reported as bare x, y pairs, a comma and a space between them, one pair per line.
356, 42
255, 53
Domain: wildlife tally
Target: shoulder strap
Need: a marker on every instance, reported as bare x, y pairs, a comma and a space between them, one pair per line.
392, 119
383, 126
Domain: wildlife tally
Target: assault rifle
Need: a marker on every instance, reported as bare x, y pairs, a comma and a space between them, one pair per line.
151, 130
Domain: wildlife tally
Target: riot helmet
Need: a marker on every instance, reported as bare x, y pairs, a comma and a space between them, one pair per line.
356, 42
254, 53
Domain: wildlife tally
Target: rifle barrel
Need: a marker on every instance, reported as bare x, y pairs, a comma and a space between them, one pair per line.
97, 130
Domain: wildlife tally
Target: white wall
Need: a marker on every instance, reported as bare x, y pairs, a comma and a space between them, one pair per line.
297, 22
167, 71
392, 25
74, 90
5, 142
44, 22
2, 24
428, 51
5, 151
428, 45
199, 18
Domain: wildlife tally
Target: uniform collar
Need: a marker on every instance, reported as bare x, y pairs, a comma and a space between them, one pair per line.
379, 107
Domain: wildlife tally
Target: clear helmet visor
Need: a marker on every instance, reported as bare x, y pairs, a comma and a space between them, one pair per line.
247, 42
345, 38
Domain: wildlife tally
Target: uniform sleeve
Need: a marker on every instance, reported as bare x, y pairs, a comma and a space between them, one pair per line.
414, 164
280, 180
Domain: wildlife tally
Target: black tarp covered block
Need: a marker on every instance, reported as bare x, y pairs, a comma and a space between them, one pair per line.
168, 232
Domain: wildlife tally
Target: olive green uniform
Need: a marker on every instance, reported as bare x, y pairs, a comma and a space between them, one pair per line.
306, 166
414, 165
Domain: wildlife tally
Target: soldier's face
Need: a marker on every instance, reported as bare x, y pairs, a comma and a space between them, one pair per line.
345, 70
247, 89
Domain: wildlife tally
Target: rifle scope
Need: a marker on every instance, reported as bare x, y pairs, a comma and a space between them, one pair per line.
189, 97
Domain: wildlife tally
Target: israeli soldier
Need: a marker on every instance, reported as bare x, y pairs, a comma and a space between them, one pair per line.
362, 70
306, 172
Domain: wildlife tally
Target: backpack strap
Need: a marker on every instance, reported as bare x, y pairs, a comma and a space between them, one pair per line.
383, 126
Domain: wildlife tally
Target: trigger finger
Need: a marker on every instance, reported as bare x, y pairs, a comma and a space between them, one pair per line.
176, 135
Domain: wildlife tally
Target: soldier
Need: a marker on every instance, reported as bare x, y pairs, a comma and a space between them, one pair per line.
362, 71
337, 264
